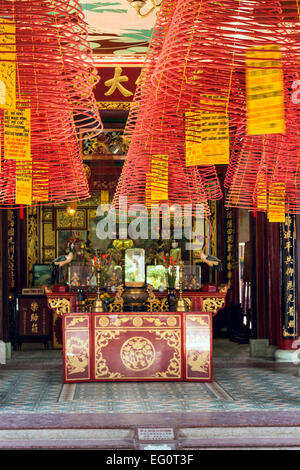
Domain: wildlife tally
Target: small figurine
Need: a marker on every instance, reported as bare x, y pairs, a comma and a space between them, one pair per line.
223, 288
57, 264
193, 283
175, 252
211, 261
151, 295
75, 280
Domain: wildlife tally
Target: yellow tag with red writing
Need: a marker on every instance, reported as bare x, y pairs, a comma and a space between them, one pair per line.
264, 90
7, 64
24, 183
276, 202
17, 132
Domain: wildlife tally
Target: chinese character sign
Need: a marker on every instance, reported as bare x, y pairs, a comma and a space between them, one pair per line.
117, 83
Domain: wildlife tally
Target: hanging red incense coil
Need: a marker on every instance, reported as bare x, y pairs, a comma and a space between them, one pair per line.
172, 184
155, 130
144, 90
263, 165
54, 73
205, 48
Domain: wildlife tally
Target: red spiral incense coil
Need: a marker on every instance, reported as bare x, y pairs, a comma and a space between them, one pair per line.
261, 163
155, 130
46, 42
204, 51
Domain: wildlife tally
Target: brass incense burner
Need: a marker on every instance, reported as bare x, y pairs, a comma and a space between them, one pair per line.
135, 297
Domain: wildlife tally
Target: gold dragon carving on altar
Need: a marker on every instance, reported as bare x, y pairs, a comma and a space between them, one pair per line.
153, 303
118, 303
212, 304
61, 306
77, 355
198, 361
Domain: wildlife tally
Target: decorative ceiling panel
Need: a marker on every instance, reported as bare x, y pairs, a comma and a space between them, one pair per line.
115, 28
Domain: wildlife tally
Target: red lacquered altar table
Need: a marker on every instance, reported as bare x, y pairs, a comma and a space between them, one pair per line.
131, 346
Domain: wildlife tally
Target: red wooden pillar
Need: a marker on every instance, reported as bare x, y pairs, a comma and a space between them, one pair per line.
272, 281
260, 276
266, 281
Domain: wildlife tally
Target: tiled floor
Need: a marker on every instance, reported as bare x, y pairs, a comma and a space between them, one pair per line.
251, 403
31, 382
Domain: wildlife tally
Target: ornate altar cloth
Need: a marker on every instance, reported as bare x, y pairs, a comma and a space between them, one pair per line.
131, 346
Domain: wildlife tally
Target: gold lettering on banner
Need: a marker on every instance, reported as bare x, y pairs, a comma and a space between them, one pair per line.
116, 83
11, 248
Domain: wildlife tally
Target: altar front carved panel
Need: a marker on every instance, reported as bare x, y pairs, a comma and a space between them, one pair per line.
198, 347
77, 346
137, 346
133, 347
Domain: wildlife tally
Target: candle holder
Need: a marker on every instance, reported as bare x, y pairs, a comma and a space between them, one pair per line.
181, 306
98, 304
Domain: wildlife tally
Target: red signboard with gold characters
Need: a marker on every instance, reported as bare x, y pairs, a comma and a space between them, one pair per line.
132, 346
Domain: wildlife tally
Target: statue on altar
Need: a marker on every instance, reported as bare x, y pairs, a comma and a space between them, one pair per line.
175, 252
57, 265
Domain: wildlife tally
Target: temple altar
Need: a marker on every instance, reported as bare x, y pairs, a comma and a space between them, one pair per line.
65, 303
137, 346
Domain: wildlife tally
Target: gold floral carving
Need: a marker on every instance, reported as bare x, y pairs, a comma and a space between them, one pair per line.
121, 321
64, 221
156, 321
137, 353
102, 338
104, 321
173, 339
199, 319
117, 304
61, 306
49, 254
188, 303
212, 304
172, 321
119, 105
75, 321
77, 355
157, 305
198, 362
137, 321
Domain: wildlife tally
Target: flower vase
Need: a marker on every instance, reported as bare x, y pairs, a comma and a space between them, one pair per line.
172, 300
